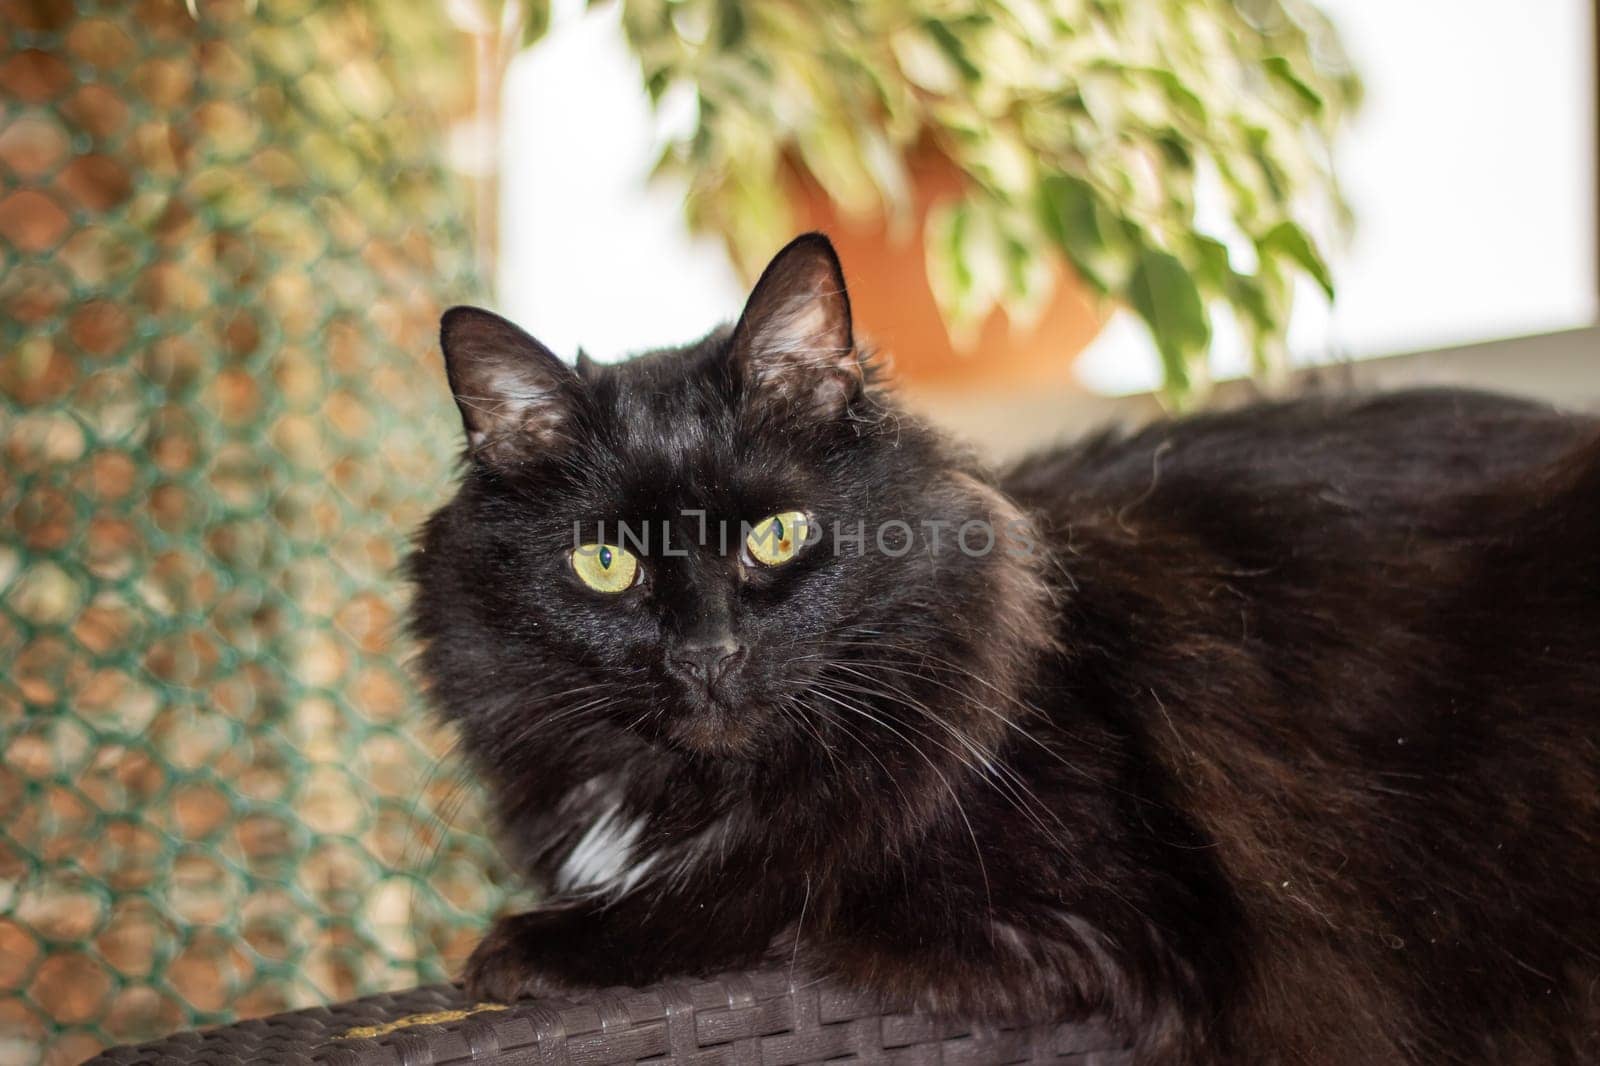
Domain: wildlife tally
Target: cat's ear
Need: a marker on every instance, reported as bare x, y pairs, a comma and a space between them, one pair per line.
515, 396
794, 344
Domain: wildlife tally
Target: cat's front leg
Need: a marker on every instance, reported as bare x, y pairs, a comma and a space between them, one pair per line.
559, 947
600, 943
527, 955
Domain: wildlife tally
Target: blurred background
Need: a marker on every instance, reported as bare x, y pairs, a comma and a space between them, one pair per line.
227, 228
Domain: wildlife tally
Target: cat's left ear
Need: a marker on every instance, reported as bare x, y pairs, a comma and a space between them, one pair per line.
793, 344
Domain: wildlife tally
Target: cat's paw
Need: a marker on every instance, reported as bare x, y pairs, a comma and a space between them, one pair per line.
512, 962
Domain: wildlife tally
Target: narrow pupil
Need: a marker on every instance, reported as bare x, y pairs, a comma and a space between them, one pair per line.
777, 525
605, 558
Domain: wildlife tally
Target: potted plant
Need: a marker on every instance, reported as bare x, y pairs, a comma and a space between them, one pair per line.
999, 175
988, 145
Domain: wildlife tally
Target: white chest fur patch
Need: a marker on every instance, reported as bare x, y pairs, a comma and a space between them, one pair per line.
606, 856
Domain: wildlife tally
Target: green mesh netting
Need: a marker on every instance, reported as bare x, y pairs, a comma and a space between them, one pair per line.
225, 234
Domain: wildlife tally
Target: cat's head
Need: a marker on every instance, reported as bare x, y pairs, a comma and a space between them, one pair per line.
738, 549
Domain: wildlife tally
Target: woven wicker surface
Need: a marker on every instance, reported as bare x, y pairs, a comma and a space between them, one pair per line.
754, 1018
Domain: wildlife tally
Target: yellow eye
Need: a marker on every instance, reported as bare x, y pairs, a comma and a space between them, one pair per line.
605, 568
777, 539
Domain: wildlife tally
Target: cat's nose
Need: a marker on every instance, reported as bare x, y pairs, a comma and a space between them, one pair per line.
706, 661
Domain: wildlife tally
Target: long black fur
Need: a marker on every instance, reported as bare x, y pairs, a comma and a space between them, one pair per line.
1270, 735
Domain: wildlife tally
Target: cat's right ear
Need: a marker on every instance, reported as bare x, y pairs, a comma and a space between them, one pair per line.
515, 396
793, 344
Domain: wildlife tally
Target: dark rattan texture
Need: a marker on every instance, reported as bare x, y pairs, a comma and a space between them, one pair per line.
755, 1018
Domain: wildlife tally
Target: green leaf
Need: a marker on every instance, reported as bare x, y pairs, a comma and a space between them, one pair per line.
1069, 215
1289, 240
1164, 295
1175, 150
953, 48
944, 241
1183, 99
730, 24
1281, 69
536, 23
1213, 266
967, 265
656, 85
952, 245
1250, 296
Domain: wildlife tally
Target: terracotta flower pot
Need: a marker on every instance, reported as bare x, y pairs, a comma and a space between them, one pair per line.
894, 306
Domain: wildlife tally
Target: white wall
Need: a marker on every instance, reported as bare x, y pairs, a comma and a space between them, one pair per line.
591, 253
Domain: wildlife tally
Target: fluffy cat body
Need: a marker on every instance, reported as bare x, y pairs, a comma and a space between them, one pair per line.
1268, 735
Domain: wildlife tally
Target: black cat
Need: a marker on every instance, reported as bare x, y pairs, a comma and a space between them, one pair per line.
1273, 736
